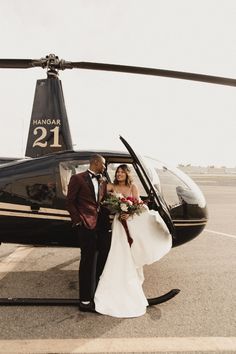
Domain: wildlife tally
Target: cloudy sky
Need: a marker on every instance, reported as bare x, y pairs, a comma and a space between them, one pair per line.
173, 120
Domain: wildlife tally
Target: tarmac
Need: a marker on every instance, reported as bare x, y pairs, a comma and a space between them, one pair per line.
200, 319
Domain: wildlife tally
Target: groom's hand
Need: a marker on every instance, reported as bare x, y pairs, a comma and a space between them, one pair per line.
78, 224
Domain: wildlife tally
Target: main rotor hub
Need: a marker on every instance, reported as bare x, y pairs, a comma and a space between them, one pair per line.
51, 62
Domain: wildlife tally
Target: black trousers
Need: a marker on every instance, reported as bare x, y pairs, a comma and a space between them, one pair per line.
95, 246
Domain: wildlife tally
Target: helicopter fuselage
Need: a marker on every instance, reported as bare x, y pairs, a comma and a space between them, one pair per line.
33, 193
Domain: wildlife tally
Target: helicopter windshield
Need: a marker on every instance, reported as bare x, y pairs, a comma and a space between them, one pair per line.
176, 186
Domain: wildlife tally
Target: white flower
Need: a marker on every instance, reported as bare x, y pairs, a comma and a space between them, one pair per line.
119, 195
123, 207
129, 202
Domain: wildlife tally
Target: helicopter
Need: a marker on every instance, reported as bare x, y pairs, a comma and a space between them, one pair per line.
33, 189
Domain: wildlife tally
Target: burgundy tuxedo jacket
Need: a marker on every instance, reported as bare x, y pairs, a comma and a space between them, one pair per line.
81, 200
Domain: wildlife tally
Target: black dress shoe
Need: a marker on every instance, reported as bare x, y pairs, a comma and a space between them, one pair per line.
90, 307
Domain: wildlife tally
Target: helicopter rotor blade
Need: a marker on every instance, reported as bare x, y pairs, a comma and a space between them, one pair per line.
54, 63
19, 63
152, 71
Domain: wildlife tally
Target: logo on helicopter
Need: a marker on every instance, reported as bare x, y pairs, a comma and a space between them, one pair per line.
47, 121
43, 132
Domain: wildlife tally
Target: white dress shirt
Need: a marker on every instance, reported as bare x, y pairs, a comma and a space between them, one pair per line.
95, 183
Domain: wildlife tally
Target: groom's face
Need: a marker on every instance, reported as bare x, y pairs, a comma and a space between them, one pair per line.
100, 165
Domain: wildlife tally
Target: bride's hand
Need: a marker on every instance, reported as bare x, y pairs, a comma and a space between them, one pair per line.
124, 216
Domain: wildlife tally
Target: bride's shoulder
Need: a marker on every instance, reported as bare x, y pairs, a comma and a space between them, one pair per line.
133, 187
110, 187
134, 191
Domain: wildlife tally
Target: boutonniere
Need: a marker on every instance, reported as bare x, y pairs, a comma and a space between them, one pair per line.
102, 179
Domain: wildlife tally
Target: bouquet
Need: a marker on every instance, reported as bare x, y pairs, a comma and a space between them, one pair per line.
117, 203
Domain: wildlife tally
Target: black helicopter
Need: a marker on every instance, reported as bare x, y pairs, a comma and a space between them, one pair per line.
33, 189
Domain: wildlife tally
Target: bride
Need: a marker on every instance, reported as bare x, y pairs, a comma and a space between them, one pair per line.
119, 292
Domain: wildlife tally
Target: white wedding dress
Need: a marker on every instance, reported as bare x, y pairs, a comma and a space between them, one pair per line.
119, 292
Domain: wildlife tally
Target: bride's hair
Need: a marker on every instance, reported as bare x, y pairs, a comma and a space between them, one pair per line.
126, 169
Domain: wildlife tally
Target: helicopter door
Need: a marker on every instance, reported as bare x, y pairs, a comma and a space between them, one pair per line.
152, 192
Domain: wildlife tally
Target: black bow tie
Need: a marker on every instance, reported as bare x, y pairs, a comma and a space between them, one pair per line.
98, 177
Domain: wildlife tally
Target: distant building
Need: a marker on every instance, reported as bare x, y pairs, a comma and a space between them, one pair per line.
191, 170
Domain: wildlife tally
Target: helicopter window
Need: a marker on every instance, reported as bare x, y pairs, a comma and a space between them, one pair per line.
5, 190
69, 168
111, 169
36, 189
170, 183
176, 187
164, 181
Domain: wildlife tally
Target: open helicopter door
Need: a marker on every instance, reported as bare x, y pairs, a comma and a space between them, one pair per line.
159, 201
49, 128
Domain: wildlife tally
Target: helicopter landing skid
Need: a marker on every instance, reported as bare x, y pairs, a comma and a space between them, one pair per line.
163, 298
11, 301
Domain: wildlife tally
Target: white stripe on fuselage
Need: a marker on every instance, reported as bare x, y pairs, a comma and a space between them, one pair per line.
19, 210
32, 215
25, 211
11, 206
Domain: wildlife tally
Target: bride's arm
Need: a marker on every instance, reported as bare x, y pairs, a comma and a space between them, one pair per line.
110, 188
135, 191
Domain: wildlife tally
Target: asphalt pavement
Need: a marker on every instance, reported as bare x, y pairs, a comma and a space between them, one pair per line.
200, 319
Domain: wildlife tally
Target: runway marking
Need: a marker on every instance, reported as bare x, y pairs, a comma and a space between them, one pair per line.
11, 261
220, 233
119, 345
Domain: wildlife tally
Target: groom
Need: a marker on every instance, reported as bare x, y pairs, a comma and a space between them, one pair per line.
86, 190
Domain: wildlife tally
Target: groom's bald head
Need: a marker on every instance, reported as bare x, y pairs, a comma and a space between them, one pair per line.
97, 163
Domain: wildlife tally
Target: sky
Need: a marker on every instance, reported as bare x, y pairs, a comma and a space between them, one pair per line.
176, 121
